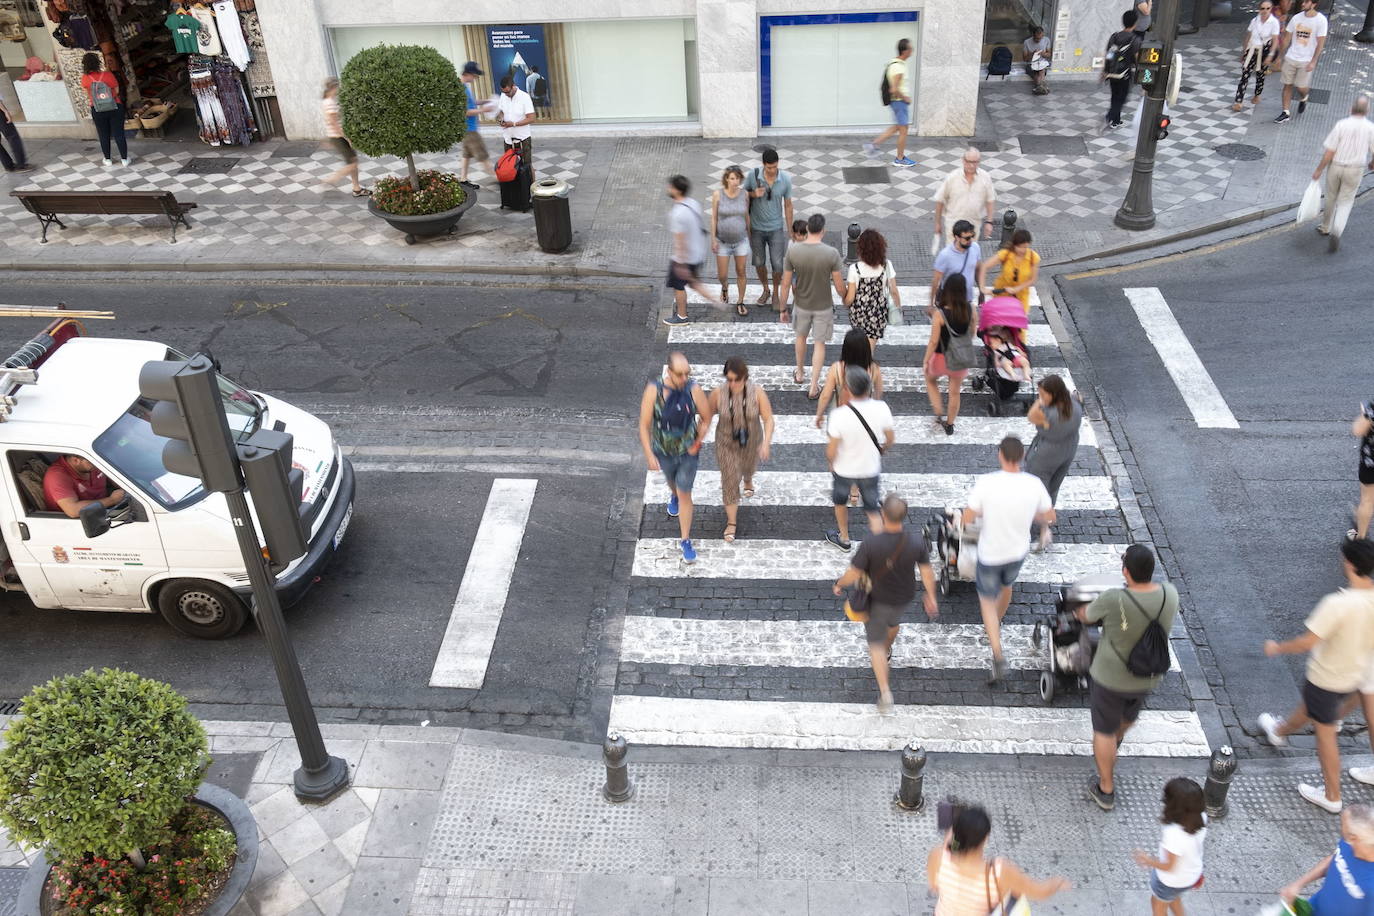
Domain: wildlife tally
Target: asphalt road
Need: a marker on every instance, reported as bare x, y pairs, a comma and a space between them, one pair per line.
489, 382
1254, 515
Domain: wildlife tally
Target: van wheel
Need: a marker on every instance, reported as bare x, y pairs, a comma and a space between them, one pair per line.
205, 610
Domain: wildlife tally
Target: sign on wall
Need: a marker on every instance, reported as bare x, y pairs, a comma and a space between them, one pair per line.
519, 51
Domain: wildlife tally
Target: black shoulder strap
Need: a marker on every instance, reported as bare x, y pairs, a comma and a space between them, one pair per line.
868, 429
1163, 600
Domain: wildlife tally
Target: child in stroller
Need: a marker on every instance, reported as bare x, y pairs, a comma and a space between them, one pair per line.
1002, 327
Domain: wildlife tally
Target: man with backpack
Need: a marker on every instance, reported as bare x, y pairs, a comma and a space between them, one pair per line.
687, 225
893, 92
1131, 659
674, 418
1119, 70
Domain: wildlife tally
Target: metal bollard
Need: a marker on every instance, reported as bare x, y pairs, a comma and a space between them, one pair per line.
851, 248
909, 791
1219, 772
1008, 227
618, 787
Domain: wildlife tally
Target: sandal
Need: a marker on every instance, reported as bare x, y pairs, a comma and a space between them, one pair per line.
729, 535
797, 377
813, 395
763, 299
363, 192
724, 293
749, 489
742, 310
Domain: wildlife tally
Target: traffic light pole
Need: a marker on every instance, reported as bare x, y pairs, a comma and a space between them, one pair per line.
319, 776
1138, 210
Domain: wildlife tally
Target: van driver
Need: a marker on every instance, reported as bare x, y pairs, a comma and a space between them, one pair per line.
72, 483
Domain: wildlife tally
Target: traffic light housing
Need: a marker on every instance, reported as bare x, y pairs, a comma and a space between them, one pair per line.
1149, 63
1162, 127
276, 490
187, 410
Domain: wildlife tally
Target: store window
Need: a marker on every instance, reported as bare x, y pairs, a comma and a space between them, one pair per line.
586, 72
825, 70
30, 88
1010, 22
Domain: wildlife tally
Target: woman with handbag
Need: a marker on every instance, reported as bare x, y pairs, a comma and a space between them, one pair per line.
950, 350
966, 883
871, 294
744, 435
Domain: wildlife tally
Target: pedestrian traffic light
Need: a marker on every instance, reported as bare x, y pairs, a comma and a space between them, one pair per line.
1149, 62
187, 410
1162, 128
276, 490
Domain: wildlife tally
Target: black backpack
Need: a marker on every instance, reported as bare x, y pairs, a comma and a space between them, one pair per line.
1150, 655
999, 62
1121, 53
885, 90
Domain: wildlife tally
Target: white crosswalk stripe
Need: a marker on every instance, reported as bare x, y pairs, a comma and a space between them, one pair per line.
797, 488
773, 333
912, 296
896, 379
797, 429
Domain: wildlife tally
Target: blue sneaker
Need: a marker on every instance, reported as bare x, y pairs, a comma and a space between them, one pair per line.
904, 162
672, 505
689, 553
675, 319
834, 538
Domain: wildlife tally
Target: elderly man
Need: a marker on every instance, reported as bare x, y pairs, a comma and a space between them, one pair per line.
966, 194
1349, 153
72, 483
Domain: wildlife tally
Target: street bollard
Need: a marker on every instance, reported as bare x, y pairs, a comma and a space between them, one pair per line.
618, 787
910, 796
1219, 772
1008, 227
851, 248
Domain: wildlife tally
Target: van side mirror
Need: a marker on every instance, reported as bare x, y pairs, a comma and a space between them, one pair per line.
95, 520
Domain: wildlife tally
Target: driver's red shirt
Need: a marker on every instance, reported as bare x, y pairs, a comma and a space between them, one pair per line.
61, 482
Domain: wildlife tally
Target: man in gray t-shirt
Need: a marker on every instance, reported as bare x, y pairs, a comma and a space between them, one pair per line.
1035, 51
687, 232
813, 268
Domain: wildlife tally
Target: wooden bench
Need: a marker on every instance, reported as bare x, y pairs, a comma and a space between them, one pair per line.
47, 205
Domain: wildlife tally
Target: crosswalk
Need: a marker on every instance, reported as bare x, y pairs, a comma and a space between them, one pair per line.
748, 647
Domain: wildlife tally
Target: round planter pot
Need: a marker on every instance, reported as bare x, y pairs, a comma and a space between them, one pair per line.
416, 227
240, 819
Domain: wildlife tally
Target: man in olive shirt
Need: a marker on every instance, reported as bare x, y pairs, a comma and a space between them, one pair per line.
1116, 695
813, 268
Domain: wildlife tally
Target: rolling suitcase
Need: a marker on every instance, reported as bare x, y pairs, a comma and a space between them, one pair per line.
515, 192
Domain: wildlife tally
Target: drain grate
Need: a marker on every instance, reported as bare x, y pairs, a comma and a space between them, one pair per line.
1319, 96
303, 149
1242, 151
11, 879
9, 707
866, 174
985, 146
209, 165
1053, 144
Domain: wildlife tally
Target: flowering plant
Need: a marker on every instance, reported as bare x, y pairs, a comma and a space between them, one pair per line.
439, 191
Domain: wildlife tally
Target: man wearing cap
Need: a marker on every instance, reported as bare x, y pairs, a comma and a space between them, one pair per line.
474, 147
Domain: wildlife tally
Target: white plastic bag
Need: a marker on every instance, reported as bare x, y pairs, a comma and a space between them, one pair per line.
935, 244
1311, 203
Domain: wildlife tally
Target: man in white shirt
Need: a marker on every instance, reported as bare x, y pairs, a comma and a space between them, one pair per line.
854, 453
1007, 502
967, 193
1349, 153
1305, 39
515, 113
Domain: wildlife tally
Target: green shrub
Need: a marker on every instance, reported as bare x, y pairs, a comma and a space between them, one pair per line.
439, 191
399, 100
98, 764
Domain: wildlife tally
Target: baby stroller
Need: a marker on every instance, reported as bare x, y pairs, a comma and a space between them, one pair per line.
1002, 328
954, 545
1071, 642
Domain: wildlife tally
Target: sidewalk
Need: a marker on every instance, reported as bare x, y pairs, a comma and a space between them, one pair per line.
447, 821
1052, 164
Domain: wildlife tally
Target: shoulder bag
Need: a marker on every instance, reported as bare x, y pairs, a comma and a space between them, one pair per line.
1002, 906
860, 598
960, 351
868, 429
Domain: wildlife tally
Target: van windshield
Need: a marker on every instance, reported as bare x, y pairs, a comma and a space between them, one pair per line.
135, 451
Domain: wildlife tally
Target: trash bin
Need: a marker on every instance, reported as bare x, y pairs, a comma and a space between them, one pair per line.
552, 219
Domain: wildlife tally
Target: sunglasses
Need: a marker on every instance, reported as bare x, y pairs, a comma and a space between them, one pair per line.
964, 238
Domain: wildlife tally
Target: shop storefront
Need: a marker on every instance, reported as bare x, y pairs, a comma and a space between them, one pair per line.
197, 70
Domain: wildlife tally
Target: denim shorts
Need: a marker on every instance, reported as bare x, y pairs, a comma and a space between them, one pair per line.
733, 249
679, 470
868, 491
989, 581
901, 113
1163, 891
769, 247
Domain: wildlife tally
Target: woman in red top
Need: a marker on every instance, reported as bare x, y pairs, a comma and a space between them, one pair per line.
107, 105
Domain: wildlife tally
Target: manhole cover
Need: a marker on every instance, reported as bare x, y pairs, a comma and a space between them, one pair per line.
209, 165
1242, 151
985, 146
298, 150
1039, 144
866, 174
11, 879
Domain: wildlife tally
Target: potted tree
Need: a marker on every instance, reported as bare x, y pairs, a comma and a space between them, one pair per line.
399, 100
101, 772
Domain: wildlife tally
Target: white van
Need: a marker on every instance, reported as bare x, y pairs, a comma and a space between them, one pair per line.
170, 546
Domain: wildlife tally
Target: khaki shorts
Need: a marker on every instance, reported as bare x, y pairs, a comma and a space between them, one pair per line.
1295, 74
474, 147
818, 325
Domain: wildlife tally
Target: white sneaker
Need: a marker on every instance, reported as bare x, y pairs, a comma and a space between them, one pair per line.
107, 162
1363, 774
127, 161
1269, 724
1318, 797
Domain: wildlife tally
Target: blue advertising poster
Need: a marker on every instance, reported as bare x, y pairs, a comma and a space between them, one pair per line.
518, 51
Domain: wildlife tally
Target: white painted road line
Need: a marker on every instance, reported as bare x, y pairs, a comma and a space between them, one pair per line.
822, 644
1180, 359
816, 560
771, 332
799, 488
896, 379
857, 726
800, 429
471, 633
912, 296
